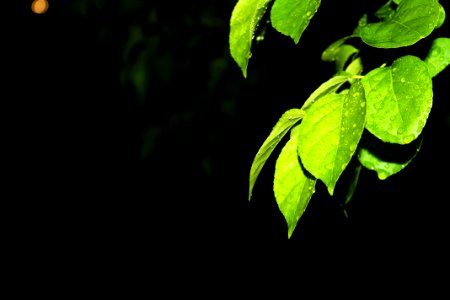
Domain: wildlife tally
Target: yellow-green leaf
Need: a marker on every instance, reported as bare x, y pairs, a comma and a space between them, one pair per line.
399, 100
330, 132
243, 24
441, 16
438, 57
329, 86
340, 53
412, 21
293, 187
284, 124
291, 17
387, 159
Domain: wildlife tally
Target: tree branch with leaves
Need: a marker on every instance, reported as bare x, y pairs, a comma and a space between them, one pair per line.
389, 104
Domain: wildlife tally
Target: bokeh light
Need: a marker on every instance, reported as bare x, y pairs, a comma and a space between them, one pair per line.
39, 6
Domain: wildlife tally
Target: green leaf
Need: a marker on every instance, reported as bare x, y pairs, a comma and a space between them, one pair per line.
340, 53
386, 159
329, 86
385, 12
412, 21
361, 23
291, 17
399, 100
441, 16
284, 124
438, 57
344, 54
330, 132
354, 68
293, 186
243, 24
330, 53
352, 186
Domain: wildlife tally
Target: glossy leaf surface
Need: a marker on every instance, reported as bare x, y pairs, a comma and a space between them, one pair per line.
291, 17
244, 21
412, 21
399, 100
330, 132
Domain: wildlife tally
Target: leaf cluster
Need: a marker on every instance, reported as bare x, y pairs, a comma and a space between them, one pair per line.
390, 103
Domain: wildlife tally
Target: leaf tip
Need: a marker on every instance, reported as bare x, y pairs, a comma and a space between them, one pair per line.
244, 72
290, 232
330, 190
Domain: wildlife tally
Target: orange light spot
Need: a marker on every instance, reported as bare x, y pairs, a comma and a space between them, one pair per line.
39, 6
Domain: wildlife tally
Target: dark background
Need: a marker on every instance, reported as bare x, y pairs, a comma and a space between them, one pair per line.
133, 129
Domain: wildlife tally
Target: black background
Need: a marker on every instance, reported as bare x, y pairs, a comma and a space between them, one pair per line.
77, 132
